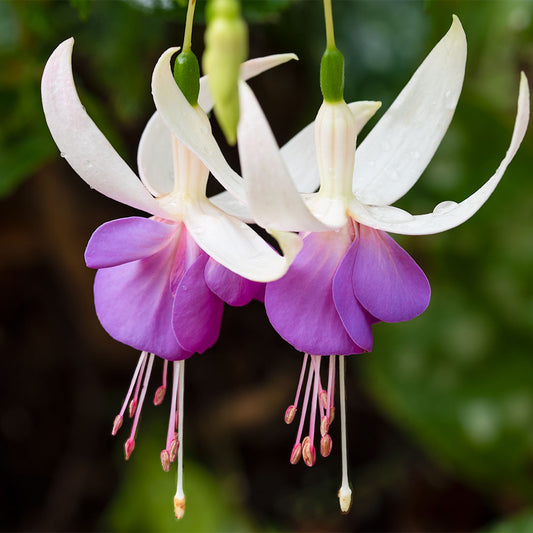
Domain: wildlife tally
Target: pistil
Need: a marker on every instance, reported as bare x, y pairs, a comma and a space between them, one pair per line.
179, 497
345, 492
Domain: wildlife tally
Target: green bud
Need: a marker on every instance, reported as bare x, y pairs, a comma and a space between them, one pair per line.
226, 47
332, 75
187, 75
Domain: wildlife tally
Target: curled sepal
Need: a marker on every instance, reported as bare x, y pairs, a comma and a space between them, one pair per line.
236, 246
80, 141
446, 215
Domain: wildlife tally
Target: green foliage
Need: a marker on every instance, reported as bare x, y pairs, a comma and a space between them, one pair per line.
523, 523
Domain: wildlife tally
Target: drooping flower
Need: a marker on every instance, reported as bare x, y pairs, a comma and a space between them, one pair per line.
162, 281
354, 274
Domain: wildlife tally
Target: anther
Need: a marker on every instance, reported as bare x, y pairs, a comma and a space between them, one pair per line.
173, 450
133, 407
308, 452
165, 460
331, 415
128, 447
324, 425
159, 395
116, 425
296, 453
179, 507
290, 413
325, 445
323, 395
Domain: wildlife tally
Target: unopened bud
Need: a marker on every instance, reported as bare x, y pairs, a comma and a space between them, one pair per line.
290, 413
133, 407
308, 452
179, 507
323, 398
165, 460
173, 449
159, 395
128, 447
324, 425
325, 445
345, 499
296, 453
117, 423
226, 47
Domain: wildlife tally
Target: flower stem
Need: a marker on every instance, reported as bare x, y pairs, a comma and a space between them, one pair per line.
188, 26
328, 19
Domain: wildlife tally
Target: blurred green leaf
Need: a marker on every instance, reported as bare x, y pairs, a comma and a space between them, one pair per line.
523, 523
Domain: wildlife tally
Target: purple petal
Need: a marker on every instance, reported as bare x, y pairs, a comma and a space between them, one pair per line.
230, 287
127, 239
134, 304
354, 316
300, 305
386, 280
197, 312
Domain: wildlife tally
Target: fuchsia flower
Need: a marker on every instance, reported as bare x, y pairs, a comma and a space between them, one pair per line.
162, 281
354, 274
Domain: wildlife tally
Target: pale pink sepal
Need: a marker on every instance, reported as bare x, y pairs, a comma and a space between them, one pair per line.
80, 141
395, 153
446, 215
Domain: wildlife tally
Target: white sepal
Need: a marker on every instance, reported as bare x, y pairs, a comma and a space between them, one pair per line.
446, 215
236, 246
80, 141
184, 122
270, 193
395, 153
154, 156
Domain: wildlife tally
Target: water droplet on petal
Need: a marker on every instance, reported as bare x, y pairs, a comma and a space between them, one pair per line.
62, 154
444, 207
415, 154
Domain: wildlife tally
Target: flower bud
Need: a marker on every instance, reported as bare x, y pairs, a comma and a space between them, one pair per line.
226, 47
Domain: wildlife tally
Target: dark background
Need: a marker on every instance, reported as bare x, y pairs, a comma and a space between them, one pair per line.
440, 415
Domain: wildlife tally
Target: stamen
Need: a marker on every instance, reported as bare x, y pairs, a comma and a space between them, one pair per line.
290, 413
133, 404
160, 392
325, 445
130, 443
345, 492
308, 452
118, 419
304, 411
179, 497
165, 460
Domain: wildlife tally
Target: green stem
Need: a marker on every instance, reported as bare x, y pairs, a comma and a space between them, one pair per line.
188, 26
328, 18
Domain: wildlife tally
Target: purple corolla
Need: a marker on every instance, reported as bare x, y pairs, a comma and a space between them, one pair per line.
162, 281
